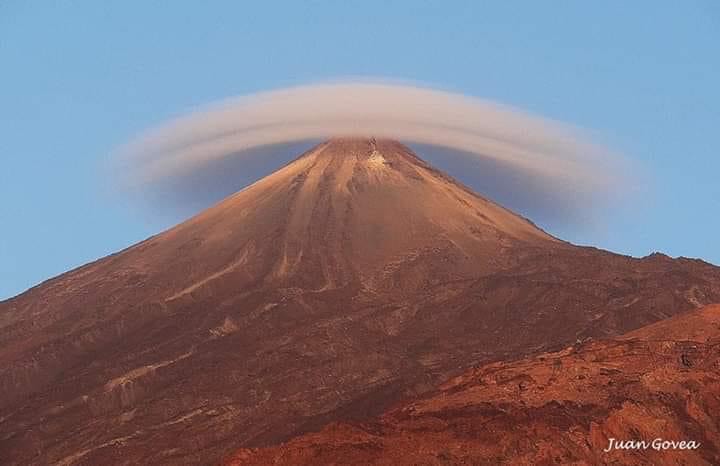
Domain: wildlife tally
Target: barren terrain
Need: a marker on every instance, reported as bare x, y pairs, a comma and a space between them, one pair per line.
352, 278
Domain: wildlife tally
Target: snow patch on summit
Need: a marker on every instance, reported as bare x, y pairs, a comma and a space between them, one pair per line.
376, 160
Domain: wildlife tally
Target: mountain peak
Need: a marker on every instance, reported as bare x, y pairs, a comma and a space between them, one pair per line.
369, 152
344, 209
348, 279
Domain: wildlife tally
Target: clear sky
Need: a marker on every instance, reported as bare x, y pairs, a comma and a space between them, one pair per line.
78, 78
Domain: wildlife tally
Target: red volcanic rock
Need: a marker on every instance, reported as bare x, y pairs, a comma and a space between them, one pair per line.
659, 384
351, 278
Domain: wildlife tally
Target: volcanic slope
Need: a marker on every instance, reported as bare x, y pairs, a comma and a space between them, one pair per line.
353, 277
658, 382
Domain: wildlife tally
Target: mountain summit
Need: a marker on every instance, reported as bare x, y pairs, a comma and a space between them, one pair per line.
343, 212
349, 279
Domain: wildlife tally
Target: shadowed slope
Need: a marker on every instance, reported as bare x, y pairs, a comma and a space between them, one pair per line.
352, 277
659, 382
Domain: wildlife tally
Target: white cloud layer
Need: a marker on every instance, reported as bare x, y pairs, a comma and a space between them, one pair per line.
547, 153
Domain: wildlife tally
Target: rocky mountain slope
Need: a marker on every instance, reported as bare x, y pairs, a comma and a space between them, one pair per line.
351, 278
658, 384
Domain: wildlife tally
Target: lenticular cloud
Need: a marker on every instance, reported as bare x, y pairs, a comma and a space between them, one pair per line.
528, 158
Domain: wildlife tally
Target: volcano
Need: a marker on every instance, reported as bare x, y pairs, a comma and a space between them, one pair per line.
352, 278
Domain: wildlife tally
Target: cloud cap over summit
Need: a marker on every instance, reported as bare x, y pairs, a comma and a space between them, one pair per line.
531, 157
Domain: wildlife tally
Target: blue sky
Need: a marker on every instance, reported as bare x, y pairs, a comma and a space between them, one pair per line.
78, 78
